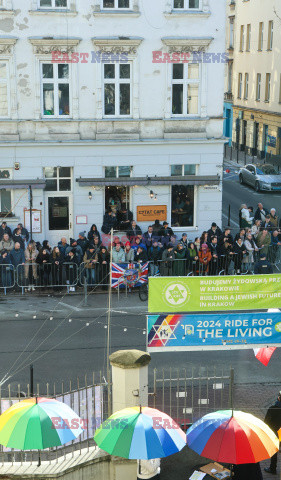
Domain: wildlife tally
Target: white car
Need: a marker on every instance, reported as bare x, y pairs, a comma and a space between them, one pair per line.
261, 177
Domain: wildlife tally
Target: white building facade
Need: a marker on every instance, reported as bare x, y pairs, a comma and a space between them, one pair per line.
105, 103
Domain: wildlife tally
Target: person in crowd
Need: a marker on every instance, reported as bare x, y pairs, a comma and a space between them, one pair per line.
140, 255
104, 264
226, 237
93, 232
179, 266
118, 254
260, 213
125, 218
251, 249
263, 240
30, 267
239, 251
267, 223
63, 245
273, 420
177, 209
18, 238
7, 243
109, 222
148, 237
5, 229
96, 242
46, 245
275, 247
197, 244
214, 263
241, 234
166, 231
129, 253
133, 230
18, 260
23, 231
274, 220
57, 259
192, 257
256, 228
76, 250
214, 231
168, 258
154, 257
73, 259
156, 227
226, 256
137, 242
184, 241
90, 260
116, 240
263, 266
5, 268
205, 257
44, 261
245, 216
148, 469
82, 242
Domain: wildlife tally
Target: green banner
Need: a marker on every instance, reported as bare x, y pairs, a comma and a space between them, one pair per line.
201, 294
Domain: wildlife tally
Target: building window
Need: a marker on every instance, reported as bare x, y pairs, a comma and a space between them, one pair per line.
180, 170
187, 4
185, 89
182, 206
117, 172
231, 34
55, 90
58, 179
242, 38
239, 94
116, 4
117, 90
280, 90
267, 87
53, 4
4, 86
248, 45
246, 86
260, 42
230, 72
258, 89
5, 202
270, 35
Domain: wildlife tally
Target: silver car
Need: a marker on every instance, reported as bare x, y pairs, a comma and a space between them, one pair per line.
261, 177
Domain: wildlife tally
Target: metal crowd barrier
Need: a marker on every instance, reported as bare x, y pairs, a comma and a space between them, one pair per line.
7, 277
48, 275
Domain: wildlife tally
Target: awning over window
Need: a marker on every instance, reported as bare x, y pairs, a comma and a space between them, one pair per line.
147, 181
21, 184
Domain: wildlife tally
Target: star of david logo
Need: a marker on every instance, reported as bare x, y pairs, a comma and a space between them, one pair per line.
164, 332
176, 294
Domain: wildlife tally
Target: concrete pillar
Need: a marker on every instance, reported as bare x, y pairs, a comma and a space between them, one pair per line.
129, 378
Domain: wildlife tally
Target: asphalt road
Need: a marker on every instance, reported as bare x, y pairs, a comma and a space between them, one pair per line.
234, 194
62, 350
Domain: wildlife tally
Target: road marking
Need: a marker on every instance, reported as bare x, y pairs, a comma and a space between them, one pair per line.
181, 394
203, 401
218, 386
187, 410
231, 221
71, 306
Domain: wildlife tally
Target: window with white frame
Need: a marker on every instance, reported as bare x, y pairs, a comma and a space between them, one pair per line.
258, 88
239, 93
231, 33
58, 179
180, 170
270, 35
53, 4
248, 45
267, 87
242, 37
187, 4
118, 172
117, 4
4, 90
260, 42
5, 202
117, 90
185, 88
182, 205
55, 90
246, 86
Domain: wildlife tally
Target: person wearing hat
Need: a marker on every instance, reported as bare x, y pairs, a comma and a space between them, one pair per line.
104, 262
273, 420
179, 268
154, 256
90, 260
166, 231
82, 242
168, 258
263, 266
214, 231
129, 253
118, 254
184, 241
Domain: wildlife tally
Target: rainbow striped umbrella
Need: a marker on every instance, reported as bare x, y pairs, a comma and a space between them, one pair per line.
140, 433
38, 423
232, 437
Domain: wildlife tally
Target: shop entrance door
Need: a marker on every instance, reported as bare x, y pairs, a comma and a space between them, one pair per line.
59, 217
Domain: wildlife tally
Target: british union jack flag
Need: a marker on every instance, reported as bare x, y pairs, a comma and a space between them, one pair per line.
130, 274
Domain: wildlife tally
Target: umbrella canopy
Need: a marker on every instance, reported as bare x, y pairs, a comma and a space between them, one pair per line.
279, 434
38, 423
140, 433
232, 437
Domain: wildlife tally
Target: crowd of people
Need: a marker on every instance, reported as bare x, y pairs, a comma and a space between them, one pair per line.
254, 249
